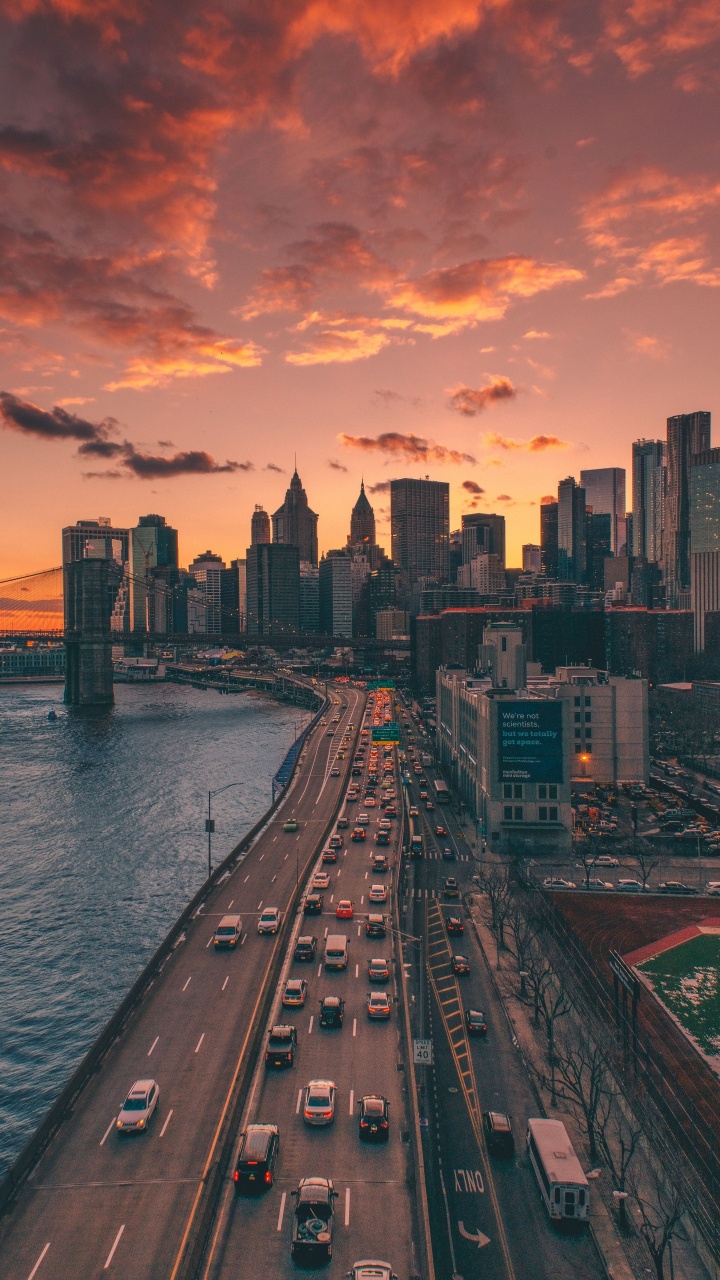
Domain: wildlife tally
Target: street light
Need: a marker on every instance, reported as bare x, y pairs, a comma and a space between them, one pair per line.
209, 821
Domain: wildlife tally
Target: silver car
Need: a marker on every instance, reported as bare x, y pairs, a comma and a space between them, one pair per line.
269, 921
319, 1106
371, 1269
139, 1107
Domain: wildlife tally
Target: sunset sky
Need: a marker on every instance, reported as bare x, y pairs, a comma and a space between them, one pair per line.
471, 240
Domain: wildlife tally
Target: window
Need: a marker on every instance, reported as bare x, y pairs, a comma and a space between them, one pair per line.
552, 792
518, 813
503, 644
588, 702
517, 791
577, 733
578, 717
588, 717
542, 791
588, 732
507, 791
553, 813
542, 813
507, 813
577, 702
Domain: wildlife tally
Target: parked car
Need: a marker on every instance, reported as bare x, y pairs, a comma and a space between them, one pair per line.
676, 886
312, 1229
712, 889
556, 882
372, 1269
605, 860
630, 886
374, 1120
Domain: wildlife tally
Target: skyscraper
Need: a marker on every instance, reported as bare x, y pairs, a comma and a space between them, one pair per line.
153, 545
294, 524
273, 590
605, 493
649, 481
207, 569
336, 612
259, 526
687, 435
483, 533
362, 521
531, 558
420, 528
704, 539
549, 538
572, 531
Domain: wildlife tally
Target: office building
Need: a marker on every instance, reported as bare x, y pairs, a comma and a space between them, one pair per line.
599, 546
572, 532
605, 495
532, 557
153, 545
704, 540
336, 611
100, 539
240, 567
362, 521
420, 524
486, 572
687, 435
649, 482
294, 524
207, 570
549, 538
657, 644
483, 533
259, 526
273, 590
309, 598
390, 623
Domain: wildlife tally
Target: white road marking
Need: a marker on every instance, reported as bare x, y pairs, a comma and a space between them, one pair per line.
107, 1131
319, 968
167, 1121
207, 944
246, 878
362, 898
37, 1264
197, 1046
359, 928
367, 873
339, 874
115, 1245
347, 1206
287, 855
297, 1108
262, 855
242, 940
354, 1026
230, 904
352, 1102
282, 1210
225, 983
152, 1046
187, 984
312, 1015
274, 839
273, 879
332, 895
259, 904
326, 932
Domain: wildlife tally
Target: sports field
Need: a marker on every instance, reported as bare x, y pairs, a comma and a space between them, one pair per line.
687, 980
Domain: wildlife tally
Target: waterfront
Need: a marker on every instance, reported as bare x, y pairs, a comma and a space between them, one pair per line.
102, 844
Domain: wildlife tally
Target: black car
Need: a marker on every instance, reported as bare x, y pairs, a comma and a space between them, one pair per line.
455, 924
332, 1011
460, 964
374, 1124
342, 823
305, 948
448, 853
676, 886
498, 1133
375, 926
257, 1157
475, 1022
281, 1046
312, 1229
313, 904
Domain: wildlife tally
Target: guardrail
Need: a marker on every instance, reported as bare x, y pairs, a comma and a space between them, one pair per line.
26, 1161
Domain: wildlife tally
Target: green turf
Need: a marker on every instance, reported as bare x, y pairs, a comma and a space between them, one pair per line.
687, 980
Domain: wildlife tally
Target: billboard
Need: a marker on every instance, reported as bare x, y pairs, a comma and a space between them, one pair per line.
530, 741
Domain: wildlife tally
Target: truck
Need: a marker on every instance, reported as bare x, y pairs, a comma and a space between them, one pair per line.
312, 1228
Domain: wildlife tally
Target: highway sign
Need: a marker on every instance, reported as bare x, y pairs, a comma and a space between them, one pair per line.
387, 732
381, 684
423, 1053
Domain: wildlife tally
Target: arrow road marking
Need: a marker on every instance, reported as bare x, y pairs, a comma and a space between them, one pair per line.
479, 1239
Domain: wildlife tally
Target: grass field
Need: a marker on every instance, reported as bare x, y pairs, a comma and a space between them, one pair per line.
687, 980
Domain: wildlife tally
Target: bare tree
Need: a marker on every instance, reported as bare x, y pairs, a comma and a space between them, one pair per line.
582, 1080
660, 1209
585, 851
645, 860
523, 935
619, 1138
550, 1002
495, 882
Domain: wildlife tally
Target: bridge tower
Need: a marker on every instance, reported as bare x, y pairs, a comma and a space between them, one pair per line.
90, 587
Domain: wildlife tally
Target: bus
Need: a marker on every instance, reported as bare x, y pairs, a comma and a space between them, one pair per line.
442, 791
416, 841
563, 1186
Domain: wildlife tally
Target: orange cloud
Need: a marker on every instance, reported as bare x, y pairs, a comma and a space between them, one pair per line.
408, 446
339, 346
648, 32
471, 292
537, 444
471, 401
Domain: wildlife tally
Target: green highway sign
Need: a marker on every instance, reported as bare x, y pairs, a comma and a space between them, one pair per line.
381, 684
386, 733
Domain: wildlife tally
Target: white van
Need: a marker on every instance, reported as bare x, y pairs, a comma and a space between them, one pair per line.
336, 951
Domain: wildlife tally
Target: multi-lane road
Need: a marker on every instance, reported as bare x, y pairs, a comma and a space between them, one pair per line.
99, 1204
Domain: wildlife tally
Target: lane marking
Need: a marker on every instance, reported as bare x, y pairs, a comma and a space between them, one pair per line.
107, 1131
362, 898
273, 879
332, 895
225, 983
282, 1210
352, 1102
299, 1101
347, 1206
354, 1026
230, 904
356, 970
187, 984
319, 968
246, 878
259, 904
115, 1245
262, 855
312, 1016
243, 939
152, 1046
197, 1046
37, 1264
207, 944
167, 1121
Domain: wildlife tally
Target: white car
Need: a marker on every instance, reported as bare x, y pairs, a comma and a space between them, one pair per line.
269, 921
371, 1269
139, 1107
319, 1106
630, 886
599, 885
554, 882
712, 888
321, 880
378, 893
605, 860
362, 820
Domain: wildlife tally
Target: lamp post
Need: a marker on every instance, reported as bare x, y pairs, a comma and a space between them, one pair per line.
210, 822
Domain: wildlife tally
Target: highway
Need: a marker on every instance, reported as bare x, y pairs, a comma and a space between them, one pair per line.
373, 1210
97, 1204
486, 1214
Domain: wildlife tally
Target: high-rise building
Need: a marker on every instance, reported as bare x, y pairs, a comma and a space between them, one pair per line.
259, 526
336, 613
649, 481
207, 570
273, 590
549, 538
704, 540
154, 545
483, 533
605, 493
309, 598
572, 531
362, 521
240, 567
599, 545
295, 524
687, 435
420, 524
487, 575
532, 558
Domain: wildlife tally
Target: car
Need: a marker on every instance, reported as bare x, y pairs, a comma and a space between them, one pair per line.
295, 993
385, 825
455, 924
139, 1107
605, 860
423, 795
305, 948
460, 964
292, 824
382, 837
380, 862
257, 1157
631, 886
378, 1004
378, 970
342, 824
329, 855
375, 926
372, 1269
351, 797
335, 773
378, 893
358, 835
414, 812
593, 883
363, 820
712, 889
369, 802
313, 904
281, 1046
556, 882
430, 807
676, 886
451, 888
312, 1229
440, 831
390, 811
448, 853
374, 1119
269, 921
321, 880
498, 1133
344, 909
475, 1022
335, 842
319, 1104
332, 1011
228, 933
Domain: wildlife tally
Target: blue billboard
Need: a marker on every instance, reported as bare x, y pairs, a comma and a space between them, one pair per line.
530, 741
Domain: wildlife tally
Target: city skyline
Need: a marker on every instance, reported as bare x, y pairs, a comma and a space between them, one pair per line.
412, 244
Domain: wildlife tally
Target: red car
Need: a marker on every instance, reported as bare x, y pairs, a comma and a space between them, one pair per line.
358, 834
344, 909
440, 831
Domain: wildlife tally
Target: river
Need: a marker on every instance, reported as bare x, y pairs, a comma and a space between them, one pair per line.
102, 844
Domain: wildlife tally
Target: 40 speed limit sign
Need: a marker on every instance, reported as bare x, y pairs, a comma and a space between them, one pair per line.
423, 1053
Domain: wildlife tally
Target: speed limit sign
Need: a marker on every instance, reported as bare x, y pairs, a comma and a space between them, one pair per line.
422, 1053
